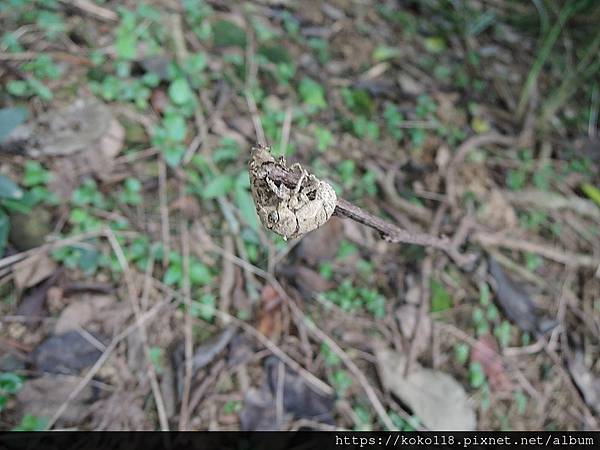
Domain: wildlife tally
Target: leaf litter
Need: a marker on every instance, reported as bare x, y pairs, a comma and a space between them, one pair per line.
391, 109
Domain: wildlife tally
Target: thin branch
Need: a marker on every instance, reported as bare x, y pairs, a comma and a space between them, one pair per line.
388, 230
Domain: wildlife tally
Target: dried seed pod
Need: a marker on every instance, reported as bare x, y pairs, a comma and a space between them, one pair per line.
289, 212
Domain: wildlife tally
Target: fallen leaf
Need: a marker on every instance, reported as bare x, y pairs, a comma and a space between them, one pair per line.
241, 351
269, 317
98, 158
299, 399
437, 399
33, 270
258, 412
65, 131
485, 352
65, 354
208, 351
516, 303
82, 311
43, 396
586, 381
32, 304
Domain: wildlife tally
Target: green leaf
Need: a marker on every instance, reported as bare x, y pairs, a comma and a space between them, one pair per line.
126, 43
245, 203
173, 154
195, 63
199, 273
383, 53
35, 174
228, 34
435, 44
173, 275
18, 88
180, 91
476, 374
323, 137
228, 150
440, 299
32, 423
461, 350
175, 126
218, 186
40, 89
10, 382
205, 307
592, 192
8, 189
276, 53
157, 358
4, 230
312, 93
11, 118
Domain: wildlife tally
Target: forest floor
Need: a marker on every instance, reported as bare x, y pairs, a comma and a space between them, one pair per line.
139, 290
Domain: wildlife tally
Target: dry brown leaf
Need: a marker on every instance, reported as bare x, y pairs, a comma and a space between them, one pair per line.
43, 396
259, 411
80, 312
438, 400
586, 381
516, 302
99, 157
269, 318
32, 270
485, 352
67, 353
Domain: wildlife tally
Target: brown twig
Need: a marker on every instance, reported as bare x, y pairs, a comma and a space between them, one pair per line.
522, 244
389, 231
184, 416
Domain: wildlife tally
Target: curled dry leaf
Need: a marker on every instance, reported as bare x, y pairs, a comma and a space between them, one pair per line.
259, 412
586, 381
208, 351
32, 270
299, 401
298, 398
435, 397
289, 212
516, 303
